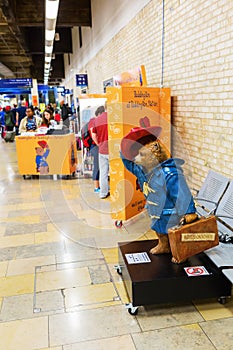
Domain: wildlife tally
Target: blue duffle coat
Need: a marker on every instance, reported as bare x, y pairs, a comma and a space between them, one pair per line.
168, 196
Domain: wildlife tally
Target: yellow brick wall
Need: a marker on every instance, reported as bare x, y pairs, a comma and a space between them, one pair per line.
198, 67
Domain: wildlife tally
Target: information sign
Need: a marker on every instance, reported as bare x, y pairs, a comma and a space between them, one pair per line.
81, 80
16, 83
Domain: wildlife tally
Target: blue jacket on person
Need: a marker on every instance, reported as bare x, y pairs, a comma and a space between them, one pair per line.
167, 194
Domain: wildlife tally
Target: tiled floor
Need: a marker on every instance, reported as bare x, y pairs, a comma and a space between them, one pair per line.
58, 286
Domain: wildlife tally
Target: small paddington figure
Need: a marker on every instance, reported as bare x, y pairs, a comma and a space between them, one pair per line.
161, 178
42, 153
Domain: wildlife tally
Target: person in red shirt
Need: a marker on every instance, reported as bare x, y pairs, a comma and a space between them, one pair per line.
100, 137
94, 150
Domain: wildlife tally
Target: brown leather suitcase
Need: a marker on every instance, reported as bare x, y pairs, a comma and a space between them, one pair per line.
190, 239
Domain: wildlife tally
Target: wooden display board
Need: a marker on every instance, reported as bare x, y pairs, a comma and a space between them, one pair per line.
61, 158
125, 107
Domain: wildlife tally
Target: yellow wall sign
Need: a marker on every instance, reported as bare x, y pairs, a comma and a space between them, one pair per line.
126, 106
35, 101
132, 77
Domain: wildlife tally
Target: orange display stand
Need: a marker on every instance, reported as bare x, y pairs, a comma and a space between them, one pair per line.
126, 106
59, 153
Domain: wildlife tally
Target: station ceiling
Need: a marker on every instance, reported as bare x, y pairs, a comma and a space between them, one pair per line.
22, 37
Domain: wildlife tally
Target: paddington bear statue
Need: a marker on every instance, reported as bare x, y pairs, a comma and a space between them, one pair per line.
161, 179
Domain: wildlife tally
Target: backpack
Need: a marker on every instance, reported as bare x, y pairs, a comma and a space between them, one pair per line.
86, 136
9, 119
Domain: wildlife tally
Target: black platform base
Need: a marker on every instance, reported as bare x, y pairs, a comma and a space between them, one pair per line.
161, 281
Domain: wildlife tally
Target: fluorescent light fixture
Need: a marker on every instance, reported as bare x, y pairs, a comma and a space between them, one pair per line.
48, 59
49, 34
51, 9
48, 49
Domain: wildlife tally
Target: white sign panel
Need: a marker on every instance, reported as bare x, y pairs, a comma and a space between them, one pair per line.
137, 258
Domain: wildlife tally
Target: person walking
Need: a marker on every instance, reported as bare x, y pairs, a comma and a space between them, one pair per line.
9, 124
20, 114
65, 113
94, 150
100, 137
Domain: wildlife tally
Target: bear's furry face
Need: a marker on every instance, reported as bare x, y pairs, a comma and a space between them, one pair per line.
151, 155
39, 151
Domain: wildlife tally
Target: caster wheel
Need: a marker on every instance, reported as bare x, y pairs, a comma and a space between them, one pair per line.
118, 223
27, 177
118, 270
222, 300
133, 311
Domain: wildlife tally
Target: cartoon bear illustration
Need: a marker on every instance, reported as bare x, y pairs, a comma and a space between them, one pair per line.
42, 153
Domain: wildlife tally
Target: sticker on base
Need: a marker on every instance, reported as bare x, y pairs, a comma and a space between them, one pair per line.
196, 271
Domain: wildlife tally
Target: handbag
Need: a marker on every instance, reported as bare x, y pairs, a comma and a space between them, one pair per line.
187, 240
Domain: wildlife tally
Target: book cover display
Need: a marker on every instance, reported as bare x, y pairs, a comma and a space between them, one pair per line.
126, 107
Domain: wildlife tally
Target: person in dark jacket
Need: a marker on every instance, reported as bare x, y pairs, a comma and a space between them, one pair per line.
20, 114
162, 181
65, 113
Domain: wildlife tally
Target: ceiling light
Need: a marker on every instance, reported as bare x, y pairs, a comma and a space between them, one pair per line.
48, 49
51, 9
49, 34
48, 59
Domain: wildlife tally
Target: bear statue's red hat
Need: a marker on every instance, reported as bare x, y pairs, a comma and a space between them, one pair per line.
139, 136
42, 144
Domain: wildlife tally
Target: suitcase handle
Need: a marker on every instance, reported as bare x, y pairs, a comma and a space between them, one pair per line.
188, 219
